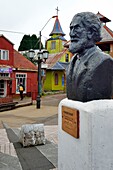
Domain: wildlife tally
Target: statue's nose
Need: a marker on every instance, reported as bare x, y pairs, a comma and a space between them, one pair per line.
72, 32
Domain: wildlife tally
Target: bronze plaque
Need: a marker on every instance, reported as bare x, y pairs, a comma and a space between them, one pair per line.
70, 121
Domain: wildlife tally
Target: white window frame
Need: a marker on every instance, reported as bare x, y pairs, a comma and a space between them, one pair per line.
53, 45
4, 54
21, 77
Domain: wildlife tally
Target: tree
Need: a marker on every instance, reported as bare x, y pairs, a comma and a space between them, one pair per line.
29, 42
34, 42
25, 43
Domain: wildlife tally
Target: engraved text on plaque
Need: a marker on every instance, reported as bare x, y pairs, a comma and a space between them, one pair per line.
70, 121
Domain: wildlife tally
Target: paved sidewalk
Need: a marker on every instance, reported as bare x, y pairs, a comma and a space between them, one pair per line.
9, 159
47, 114
8, 156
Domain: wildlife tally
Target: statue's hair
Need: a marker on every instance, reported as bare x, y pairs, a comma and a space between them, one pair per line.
91, 23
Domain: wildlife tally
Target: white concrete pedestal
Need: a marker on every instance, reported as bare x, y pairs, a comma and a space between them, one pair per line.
93, 150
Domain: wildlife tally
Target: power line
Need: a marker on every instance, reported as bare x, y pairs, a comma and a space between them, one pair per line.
13, 32
16, 32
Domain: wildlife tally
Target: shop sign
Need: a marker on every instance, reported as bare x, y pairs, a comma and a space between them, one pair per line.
5, 70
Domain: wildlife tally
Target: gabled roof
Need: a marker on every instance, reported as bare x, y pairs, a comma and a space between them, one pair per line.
56, 38
107, 34
64, 64
1, 35
57, 66
57, 29
53, 61
103, 18
54, 58
22, 63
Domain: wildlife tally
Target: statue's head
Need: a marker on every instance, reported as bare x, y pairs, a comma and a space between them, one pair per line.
85, 31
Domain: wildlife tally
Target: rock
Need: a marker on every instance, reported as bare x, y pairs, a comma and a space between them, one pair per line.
32, 134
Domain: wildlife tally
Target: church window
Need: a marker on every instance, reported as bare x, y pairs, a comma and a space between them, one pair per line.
56, 78
62, 80
53, 45
67, 58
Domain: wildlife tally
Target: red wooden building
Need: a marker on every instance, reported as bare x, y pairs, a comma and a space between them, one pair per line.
15, 68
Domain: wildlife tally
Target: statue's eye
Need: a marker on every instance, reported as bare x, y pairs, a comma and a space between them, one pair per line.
75, 27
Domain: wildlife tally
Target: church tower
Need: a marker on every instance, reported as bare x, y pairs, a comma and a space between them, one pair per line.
55, 44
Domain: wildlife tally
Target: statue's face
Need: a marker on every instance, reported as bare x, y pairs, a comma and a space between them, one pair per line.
78, 36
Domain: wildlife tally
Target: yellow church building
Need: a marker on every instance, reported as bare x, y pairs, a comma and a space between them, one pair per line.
58, 60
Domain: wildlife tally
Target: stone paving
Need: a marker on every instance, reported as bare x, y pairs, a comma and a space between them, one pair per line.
47, 115
5, 146
8, 156
51, 135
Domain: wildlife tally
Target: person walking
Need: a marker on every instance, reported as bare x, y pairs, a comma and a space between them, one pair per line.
21, 89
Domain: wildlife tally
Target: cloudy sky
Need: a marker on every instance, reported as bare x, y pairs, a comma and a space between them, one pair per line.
29, 16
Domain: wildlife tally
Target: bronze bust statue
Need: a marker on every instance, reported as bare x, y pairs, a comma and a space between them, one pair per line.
90, 72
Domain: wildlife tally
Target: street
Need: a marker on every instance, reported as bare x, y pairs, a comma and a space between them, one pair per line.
47, 114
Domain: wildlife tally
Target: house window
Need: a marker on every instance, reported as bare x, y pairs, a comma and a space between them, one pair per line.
20, 78
62, 80
4, 74
67, 58
56, 78
2, 88
4, 54
53, 45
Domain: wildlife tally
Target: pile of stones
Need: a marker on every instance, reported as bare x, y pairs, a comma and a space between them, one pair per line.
32, 134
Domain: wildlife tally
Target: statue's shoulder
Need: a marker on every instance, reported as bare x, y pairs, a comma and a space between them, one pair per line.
104, 61
106, 57
101, 56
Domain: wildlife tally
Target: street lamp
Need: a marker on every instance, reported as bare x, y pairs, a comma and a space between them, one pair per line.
40, 57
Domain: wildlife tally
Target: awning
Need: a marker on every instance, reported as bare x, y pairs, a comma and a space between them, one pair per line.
5, 78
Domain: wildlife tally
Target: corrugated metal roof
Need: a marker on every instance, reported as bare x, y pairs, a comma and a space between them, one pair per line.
107, 34
21, 62
54, 58
57, 66
53, 61
64, 64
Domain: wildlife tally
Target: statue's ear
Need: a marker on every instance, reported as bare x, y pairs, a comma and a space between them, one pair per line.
91, 33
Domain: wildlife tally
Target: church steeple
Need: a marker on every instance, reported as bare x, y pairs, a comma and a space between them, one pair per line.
55, 44
57, 29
